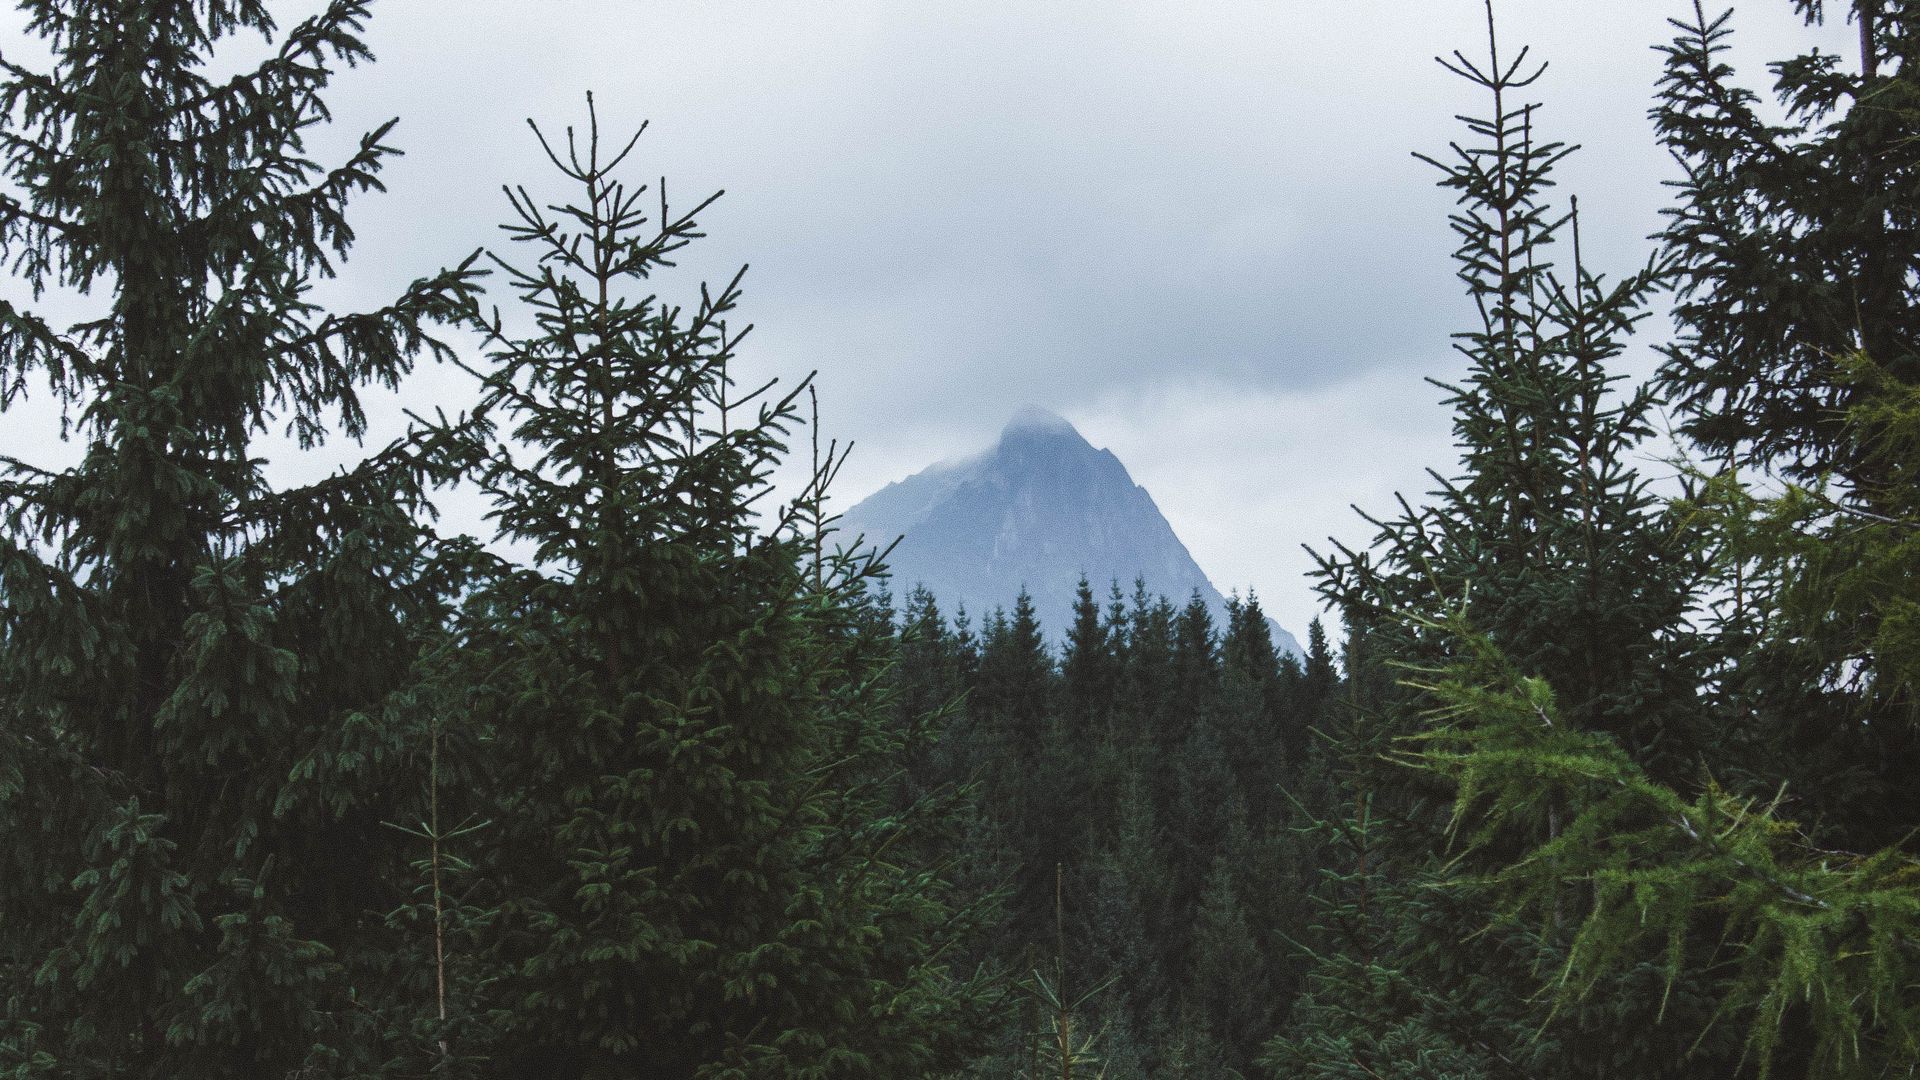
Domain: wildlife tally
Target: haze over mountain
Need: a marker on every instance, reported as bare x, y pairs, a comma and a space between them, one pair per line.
1037, 510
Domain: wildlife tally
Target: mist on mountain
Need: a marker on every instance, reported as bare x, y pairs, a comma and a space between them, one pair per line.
1038, 510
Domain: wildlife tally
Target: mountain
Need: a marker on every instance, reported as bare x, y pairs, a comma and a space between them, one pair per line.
1038, 509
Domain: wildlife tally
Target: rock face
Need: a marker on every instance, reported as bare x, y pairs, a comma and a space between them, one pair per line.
1038, 510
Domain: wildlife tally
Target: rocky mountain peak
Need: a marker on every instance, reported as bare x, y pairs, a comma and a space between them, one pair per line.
1036, 511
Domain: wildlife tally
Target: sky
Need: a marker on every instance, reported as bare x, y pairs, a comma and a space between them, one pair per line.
1195, 229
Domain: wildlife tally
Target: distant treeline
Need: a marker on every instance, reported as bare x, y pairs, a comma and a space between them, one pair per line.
1135, 821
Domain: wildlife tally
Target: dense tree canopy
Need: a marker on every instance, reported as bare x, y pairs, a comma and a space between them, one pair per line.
1610, 778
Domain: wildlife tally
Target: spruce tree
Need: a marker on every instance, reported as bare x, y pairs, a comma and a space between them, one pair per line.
1782, 892
1550, 539
1266, 736
930, 681
1794, 239
1228, 978
1549, 543
685, 745
1014, 693
1795, 936
1799, 318
1087, 671
194, 664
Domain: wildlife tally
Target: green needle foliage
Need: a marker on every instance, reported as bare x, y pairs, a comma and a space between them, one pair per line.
1726, 825
1807, 943
1130, 823
1799, 318
1794, 239
678, 728
192, 774
1550, 542
1784, 887
1549, 535
1804, 935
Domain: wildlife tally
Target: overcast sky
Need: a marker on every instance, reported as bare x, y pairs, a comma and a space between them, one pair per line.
1194, 229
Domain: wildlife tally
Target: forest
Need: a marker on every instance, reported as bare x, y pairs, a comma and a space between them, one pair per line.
1602, 774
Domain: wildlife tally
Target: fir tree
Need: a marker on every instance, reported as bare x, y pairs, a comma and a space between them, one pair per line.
1810, 216
1319, 674
1794, 240
687, 751
1781, 894
1196, 664
1227, 969
1549, 539
1087, 671
194, 666
1549, 542
1580, 826
1014, 691
931, 681
1266, 739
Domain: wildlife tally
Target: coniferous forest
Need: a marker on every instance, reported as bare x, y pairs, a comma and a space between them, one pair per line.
1596, 773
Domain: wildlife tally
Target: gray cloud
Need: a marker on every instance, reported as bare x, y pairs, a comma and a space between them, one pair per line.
1196, 229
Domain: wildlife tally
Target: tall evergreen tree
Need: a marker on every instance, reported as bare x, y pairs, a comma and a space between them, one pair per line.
686, 749
1550, 540
1266, 739
1319, 673
1797, 863
1087, 670
931, 680
1014, 693
1196, 660
1801, 330
193, 663
1636, 875
1550, 543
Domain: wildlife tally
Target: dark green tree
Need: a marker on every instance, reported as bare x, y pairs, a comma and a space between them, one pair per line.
1013, 695
1088, 668
687, 749
1551, 544
1196, 666
1319, 672
1794, 239
1229, 976
1267, 737
931, 679
194, 664
1794, 242
1800, 319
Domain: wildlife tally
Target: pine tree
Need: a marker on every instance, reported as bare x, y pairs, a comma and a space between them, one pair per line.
1798, 855
1196, 665
1228, 973
1265, 735
930, 681
1550, 540
1794, 239
1014, 693
1551, 546
1814, 216
1087, 671
1795, 936
1320, 674
194, 665
687, 747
